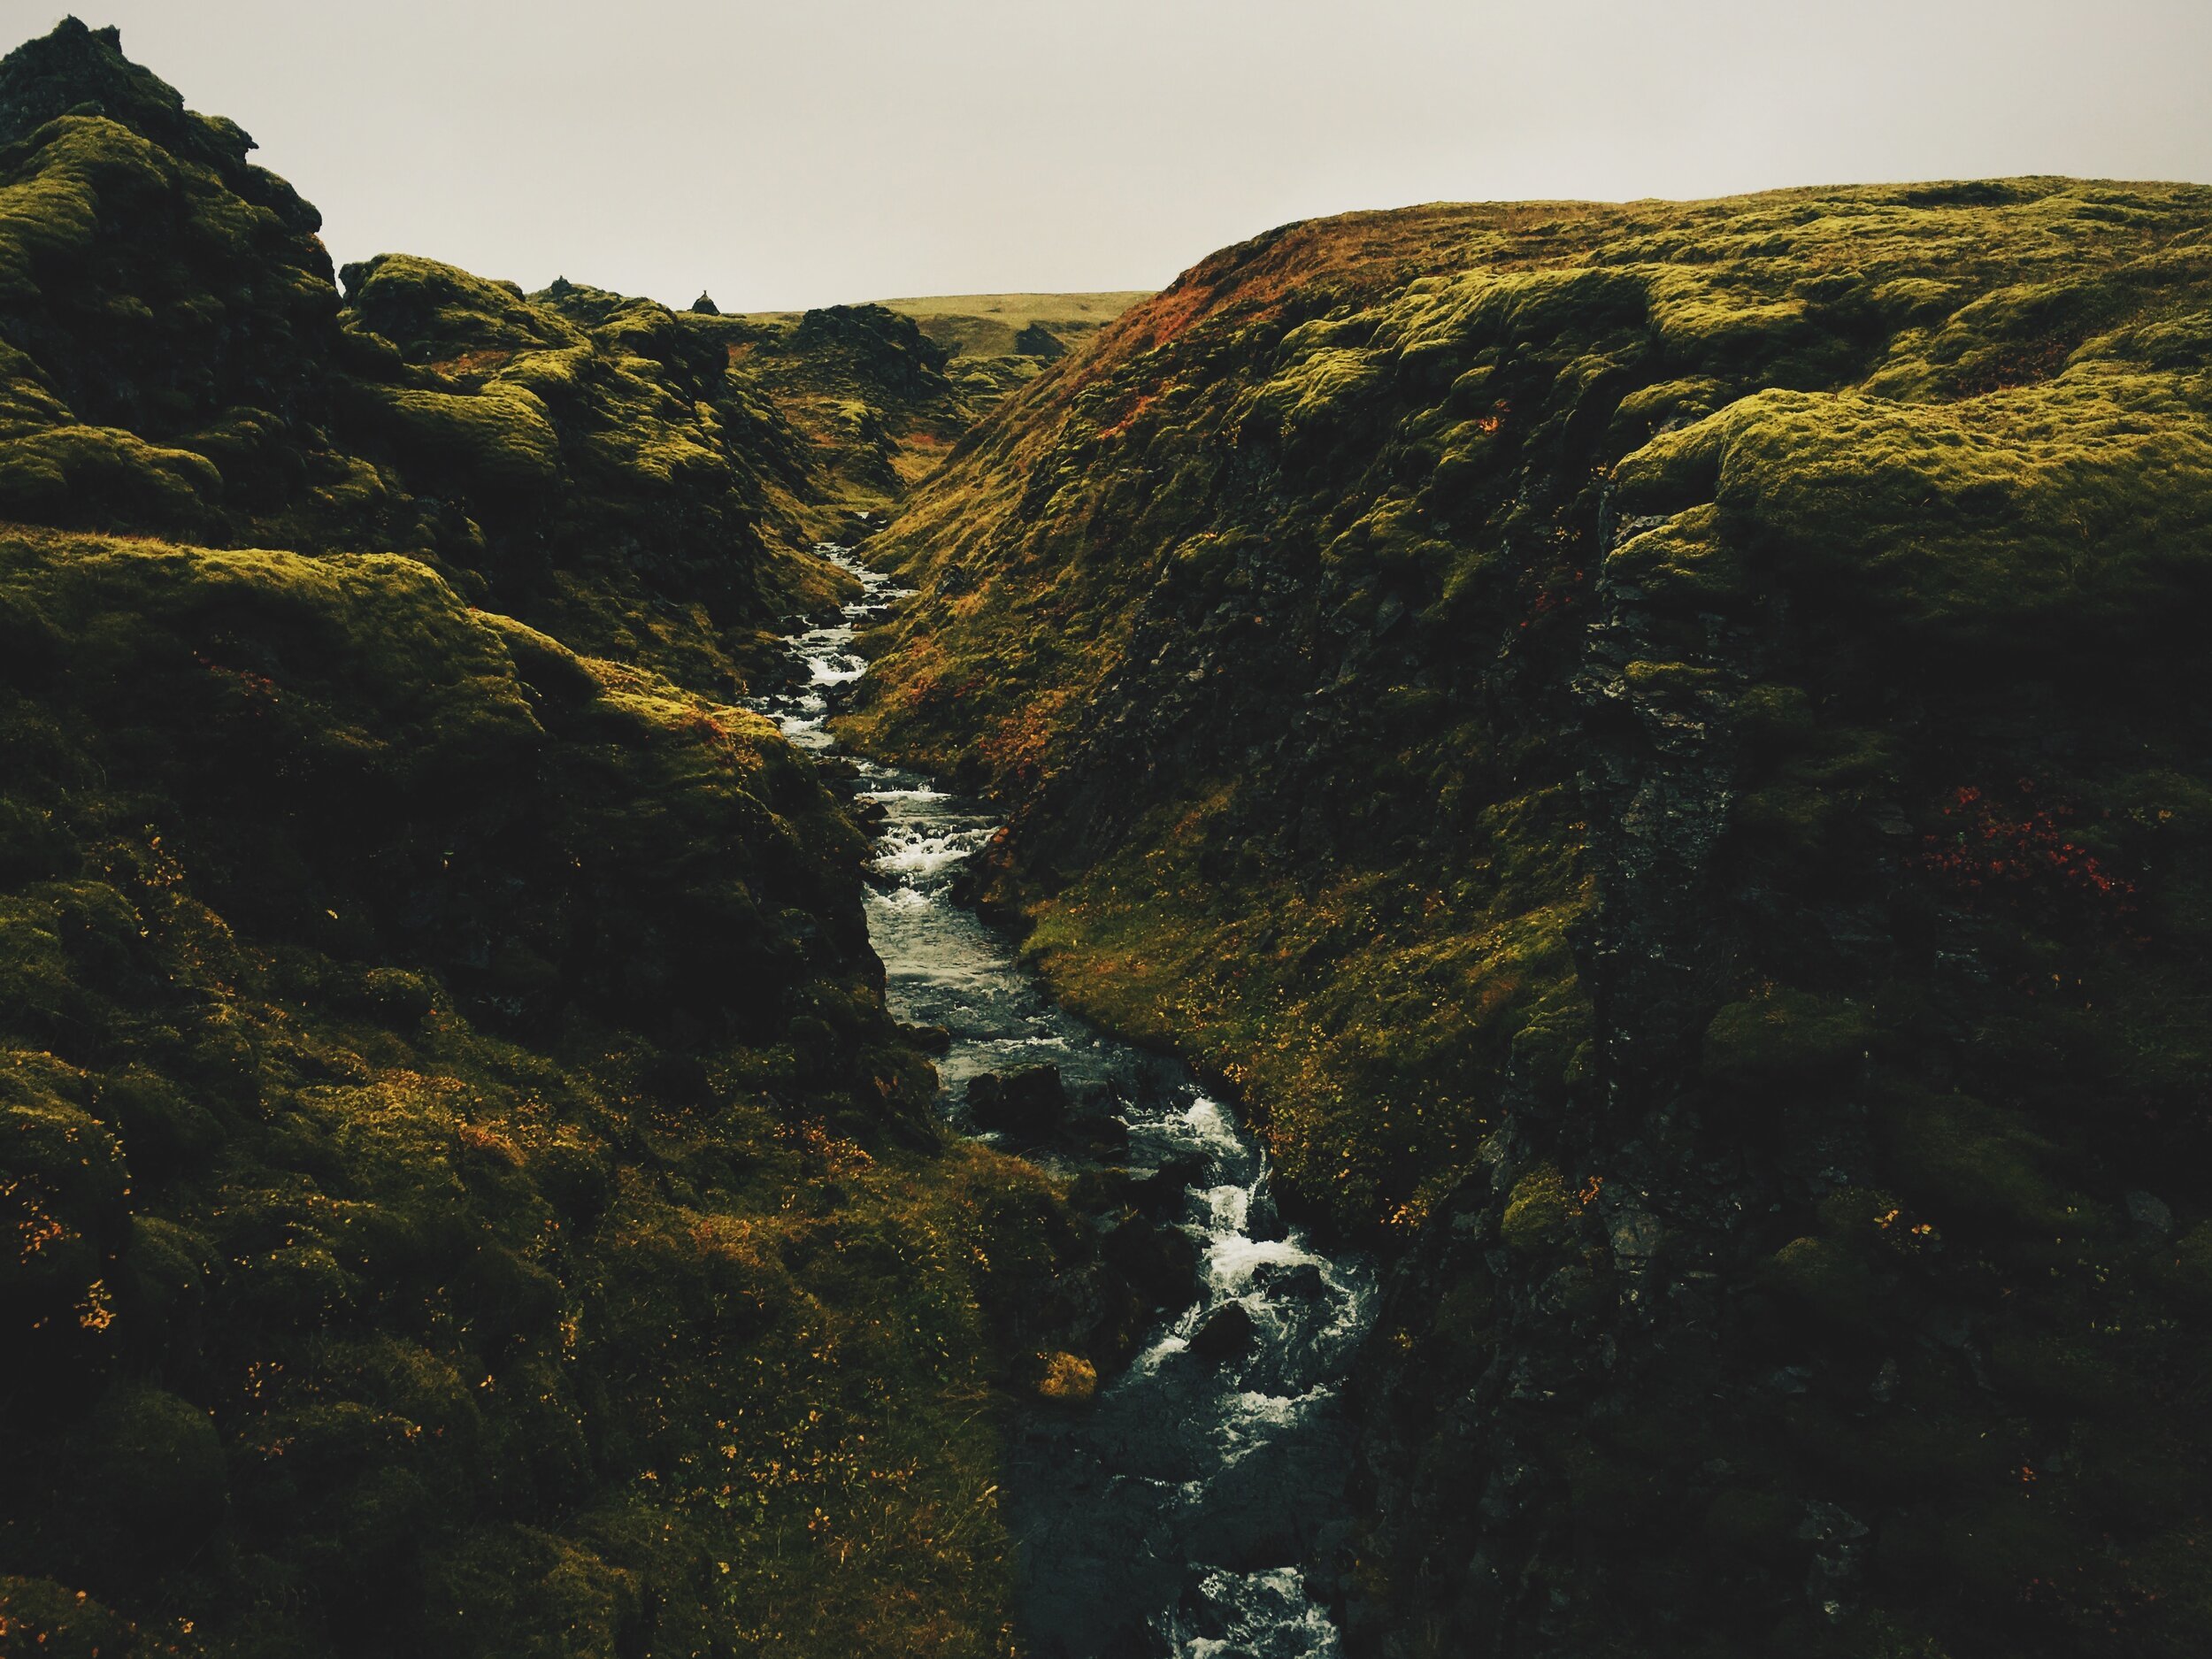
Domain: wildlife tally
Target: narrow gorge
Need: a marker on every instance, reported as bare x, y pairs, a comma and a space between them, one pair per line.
1487, 934
1188, 1505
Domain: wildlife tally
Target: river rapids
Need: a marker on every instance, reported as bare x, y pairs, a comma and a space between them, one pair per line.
1184, 1511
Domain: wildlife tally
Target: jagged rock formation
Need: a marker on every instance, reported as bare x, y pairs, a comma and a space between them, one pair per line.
1658, 748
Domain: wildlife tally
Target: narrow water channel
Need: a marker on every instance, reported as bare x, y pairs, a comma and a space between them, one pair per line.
1183, 1512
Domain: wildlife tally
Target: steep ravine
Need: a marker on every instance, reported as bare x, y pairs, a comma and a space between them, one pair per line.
1658, 751
1184, 1507
1662, 749
464, 1192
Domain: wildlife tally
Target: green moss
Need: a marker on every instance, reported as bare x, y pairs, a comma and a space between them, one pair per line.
1539, 1212
1785, 1038
436, 311
45, 476
2017, 522
1681, 563
1963, 1157
180, 362
160, 1458
380, 1284
501, 437
1829, 1280
1696, 695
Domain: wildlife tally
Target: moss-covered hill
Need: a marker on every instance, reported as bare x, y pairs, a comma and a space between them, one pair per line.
991, 342
460, 1189
175, 359
866, 388
1664, 748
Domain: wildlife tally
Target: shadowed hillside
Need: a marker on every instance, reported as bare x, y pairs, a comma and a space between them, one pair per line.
463, 1192
1659, 748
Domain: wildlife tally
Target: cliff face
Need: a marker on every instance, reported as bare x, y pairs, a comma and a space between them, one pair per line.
1657, 745
462, 1190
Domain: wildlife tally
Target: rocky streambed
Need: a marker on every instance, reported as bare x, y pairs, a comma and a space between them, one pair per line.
1187, 1507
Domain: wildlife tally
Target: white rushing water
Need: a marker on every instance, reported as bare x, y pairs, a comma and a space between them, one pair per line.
1183, 1512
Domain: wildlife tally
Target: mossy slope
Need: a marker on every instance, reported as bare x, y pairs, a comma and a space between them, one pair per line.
460, 1188
1659, 746
466, 1193
175, 359
865, 387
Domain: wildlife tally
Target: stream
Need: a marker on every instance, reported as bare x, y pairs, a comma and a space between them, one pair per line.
1180, 1512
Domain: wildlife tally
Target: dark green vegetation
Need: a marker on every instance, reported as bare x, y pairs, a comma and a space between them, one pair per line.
460, 1189
995, 342
177, 361
867, 388
1664, 749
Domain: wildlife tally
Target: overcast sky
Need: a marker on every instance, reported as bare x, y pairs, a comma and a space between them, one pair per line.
809, 151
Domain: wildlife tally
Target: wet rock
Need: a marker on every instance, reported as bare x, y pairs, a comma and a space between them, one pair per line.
1226, 1332
1839, 1540
1095, 1122
928, 1039
1888, 1383
2149, 1216
1635, 1235
1300, 1282
1262, 1220
1154, 1192
1094, 1308
1029, 1105
1164, 1188
1161, 1263
1103, 1192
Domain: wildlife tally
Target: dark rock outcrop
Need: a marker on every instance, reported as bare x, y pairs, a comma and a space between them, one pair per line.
1027, 1106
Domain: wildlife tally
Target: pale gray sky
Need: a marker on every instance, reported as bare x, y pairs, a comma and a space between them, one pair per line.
808, 151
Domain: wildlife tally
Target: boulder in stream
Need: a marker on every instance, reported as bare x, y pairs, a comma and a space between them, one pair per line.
1160, 1264
1226, 1332
1298, 1281
1094, 1122
928, 1039
1028, 1105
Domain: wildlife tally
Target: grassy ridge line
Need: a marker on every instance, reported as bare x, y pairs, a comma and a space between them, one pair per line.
1000, 324
1657, 743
